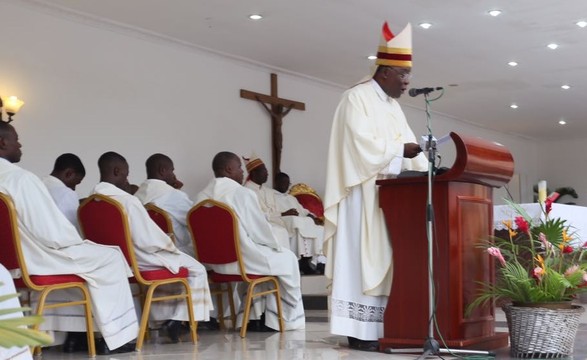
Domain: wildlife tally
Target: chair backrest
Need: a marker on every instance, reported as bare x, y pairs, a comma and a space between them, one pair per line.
104, 221
308, 198
160, 217
11, 255
213, 226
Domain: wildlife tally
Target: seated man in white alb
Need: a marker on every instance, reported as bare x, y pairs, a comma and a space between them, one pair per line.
260, 249
306, 248
298, 228
67, 173
51, 245
154, 248
161, 189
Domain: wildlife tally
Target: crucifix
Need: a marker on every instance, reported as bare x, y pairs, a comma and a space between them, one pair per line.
278, 109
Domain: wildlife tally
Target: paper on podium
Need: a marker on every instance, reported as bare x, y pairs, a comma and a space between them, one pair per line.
437, 142
443, 140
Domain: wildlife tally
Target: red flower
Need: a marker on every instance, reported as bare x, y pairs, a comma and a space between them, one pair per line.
522, 224
568, 249
548, 204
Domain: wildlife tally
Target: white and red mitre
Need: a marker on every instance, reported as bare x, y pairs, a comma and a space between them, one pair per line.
395, 50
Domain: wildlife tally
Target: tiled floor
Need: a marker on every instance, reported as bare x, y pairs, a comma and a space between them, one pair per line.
315, 342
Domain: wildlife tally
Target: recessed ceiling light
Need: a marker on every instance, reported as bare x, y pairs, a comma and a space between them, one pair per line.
494, 12
565, 87
581, 23
425, 25
562, 122
513, 63
552, 46
372, 57
514, 106
255, 17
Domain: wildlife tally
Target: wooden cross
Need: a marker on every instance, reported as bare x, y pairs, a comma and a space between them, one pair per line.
278, 110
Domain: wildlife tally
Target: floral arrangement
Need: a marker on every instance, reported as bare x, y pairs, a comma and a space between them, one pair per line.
536, 262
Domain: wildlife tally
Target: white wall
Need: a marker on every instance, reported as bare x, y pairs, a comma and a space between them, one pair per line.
92, 88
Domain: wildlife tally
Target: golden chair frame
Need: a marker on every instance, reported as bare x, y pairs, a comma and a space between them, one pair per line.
157, 214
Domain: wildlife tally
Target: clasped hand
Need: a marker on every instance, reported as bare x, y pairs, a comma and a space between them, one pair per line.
290, 212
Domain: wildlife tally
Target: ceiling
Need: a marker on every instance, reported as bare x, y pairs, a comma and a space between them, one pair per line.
466, 51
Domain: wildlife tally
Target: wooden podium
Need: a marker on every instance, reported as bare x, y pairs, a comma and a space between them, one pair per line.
463, 217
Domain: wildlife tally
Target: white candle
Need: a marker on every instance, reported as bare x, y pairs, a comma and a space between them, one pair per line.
542, 191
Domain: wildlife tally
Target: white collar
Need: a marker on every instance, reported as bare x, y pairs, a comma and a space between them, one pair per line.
382, 95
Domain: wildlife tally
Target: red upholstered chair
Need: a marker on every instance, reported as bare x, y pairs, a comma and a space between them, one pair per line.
12, 258
214, 229
161, 218
308, 198
104, 221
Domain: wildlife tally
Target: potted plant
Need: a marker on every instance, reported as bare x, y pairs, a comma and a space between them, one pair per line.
539, 272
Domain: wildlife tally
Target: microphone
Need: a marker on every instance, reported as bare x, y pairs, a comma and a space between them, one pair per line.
427, 90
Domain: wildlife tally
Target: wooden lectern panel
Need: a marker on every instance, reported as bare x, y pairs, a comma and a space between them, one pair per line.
463, 217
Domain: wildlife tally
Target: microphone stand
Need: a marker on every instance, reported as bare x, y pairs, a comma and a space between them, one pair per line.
431, 346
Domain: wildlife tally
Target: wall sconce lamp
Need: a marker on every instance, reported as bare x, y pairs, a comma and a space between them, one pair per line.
11, 105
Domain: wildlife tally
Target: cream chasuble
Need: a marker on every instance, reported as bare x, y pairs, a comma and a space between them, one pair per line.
368, 132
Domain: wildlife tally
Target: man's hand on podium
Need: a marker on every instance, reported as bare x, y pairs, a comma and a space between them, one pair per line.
411, 150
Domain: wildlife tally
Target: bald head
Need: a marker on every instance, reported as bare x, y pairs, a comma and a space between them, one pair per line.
160, 167
227, 164
114, 169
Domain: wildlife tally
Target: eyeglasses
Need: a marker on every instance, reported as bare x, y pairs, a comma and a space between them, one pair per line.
402, 75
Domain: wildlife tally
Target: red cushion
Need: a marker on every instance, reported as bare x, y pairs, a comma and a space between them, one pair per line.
312, 204
45, 280
216, 277
162, 274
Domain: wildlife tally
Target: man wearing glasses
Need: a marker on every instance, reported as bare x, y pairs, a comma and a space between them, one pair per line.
370, 139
